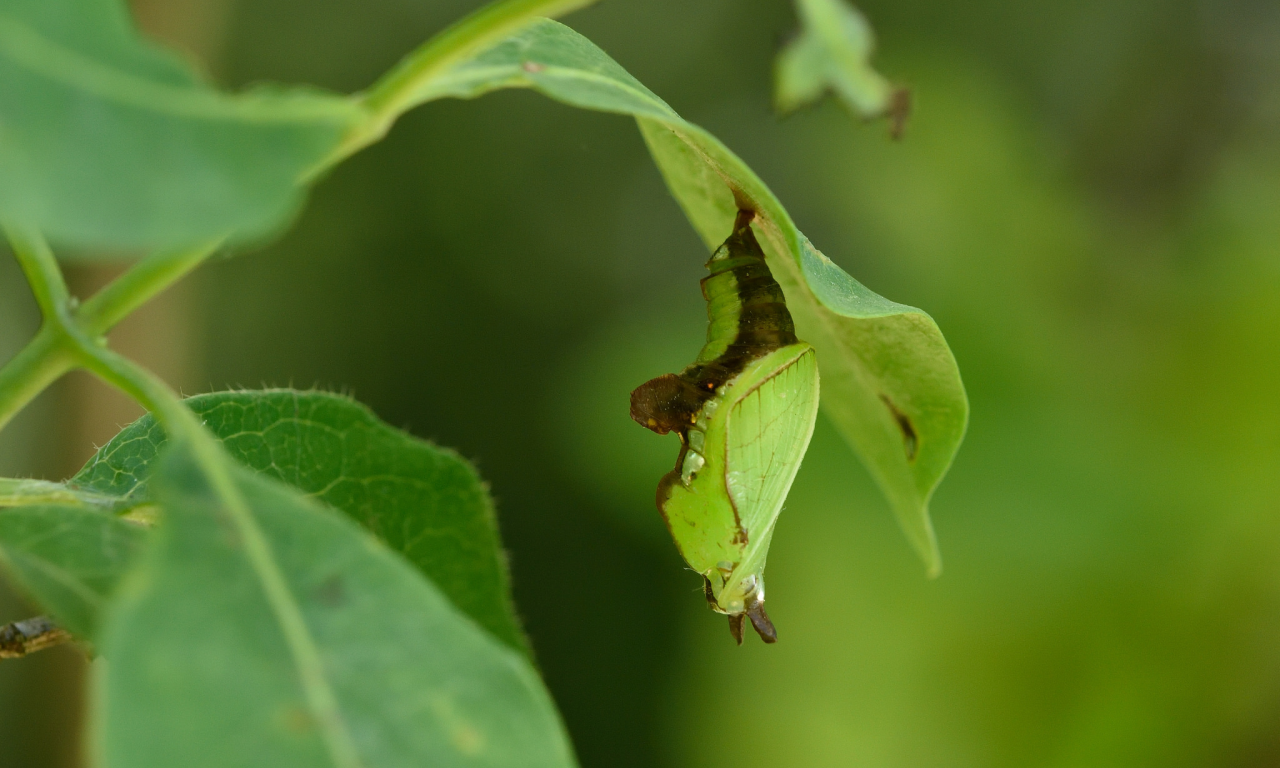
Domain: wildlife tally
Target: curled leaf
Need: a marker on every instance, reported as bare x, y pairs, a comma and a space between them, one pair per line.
889, 380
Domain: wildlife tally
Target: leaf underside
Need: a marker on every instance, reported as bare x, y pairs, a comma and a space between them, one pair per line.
261, 629
67, 558
109, 142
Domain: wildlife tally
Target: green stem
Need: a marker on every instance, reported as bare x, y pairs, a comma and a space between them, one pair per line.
65, 342
140, 384
54, 350
139, 285
43, 361
398, 90
42, 272
48, 355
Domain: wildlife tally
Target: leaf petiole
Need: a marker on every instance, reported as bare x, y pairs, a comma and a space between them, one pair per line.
397, 90
43, 361
42, 271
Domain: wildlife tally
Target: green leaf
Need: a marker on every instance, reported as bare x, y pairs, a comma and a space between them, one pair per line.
67, 559
262, 629
889, 380
17, 493
556, 61
108, 141
833, 52
423, 501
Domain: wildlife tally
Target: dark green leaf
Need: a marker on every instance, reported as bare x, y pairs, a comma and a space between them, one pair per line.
108, 141
67, 558
424, 501
262, 629
889, 381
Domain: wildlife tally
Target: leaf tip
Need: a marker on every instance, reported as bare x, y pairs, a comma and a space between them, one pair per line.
919, 529
934, 565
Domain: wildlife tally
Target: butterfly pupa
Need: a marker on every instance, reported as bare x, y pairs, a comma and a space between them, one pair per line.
744, 412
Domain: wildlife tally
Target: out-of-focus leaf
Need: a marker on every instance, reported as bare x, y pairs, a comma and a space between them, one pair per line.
262, 629
108, 141
889, 381
17, 493
832, 52
424, 501
67, 558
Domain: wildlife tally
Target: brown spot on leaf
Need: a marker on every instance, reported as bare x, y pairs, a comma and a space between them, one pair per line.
909, 439
331, 592
296, 720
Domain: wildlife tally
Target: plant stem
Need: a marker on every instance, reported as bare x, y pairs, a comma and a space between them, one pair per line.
43, 361
140, 384
397, 91
47, 356
42, 272
394, 92
65, 334
139, 285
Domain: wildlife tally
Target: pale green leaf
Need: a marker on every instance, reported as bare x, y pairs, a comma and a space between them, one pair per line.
67, 558
889, 380
108, 141
17, 493
424, 501
263, 629
832, 52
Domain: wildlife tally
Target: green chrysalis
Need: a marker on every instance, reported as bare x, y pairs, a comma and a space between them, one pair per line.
744, 412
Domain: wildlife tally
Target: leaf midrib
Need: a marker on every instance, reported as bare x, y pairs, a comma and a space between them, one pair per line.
320, 697
438, 88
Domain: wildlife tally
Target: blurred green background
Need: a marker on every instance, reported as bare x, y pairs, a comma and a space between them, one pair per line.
1088, 202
